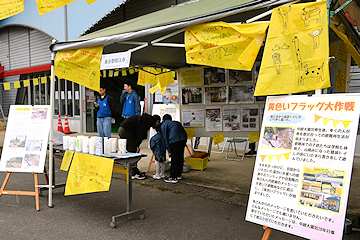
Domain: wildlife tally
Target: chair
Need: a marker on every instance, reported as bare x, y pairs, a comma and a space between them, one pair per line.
234, 141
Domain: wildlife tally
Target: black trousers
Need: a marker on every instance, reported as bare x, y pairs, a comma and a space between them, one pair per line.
177, 158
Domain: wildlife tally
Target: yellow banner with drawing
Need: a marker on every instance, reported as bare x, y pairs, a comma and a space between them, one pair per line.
80, 65
224, 45
296, 51
45, 6
10, 8
89, 174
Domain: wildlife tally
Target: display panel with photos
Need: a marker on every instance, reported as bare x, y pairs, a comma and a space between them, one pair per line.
241, 94
213, 75
191, 95
238, 76
215, 95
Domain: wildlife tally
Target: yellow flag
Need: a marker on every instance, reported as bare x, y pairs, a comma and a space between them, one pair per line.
45, 6
90, 1
111, 73
26, 83
104, 73
153, 89
116, 73
317, 117
80, 65
218, 138
253, 137
35, 81
165, 79
6, 86
224, 45
190, 132
270, 157
10, 8
17, 84
326, 120
296, 50
131, 71
262, 157
286, 155
142, 78
65, 164
335, 122
124, 72
43, 80
89, 174
278, 157
346, 123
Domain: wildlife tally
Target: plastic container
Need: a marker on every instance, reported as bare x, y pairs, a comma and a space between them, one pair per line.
198, 160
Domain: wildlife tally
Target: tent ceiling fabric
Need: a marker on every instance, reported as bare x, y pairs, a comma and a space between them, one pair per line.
154, 25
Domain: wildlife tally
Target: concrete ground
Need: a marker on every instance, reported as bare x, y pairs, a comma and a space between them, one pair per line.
209, 204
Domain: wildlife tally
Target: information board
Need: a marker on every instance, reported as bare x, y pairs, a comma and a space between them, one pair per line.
303, 166
26, 139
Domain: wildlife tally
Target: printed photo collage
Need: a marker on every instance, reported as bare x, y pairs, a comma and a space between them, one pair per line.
211, 85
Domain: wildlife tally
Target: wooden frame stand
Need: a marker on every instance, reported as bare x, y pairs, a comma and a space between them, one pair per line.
27, 193
267, 233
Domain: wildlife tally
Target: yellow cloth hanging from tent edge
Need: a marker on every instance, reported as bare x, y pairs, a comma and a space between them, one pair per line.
45, 6
218, 138
224, 45
43, 79
7, 86
90, 1
80, 65
296, 51
26, 83
35, 81
17, 84
89, 174
10, 8
354, 53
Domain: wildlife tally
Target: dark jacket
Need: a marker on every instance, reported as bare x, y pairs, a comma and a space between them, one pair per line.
173, 132
138, 126
157, 144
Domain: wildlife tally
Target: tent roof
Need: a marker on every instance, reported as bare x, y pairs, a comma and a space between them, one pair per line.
150, 26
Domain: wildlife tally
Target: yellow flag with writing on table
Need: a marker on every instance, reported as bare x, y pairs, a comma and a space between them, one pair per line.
224, 45
80, 65
296, 52
10, 8
45, 6
89, 174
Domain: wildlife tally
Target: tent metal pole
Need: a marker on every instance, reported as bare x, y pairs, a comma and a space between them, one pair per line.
51, 141
155, 44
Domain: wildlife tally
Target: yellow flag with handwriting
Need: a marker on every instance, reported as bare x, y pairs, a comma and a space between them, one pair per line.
80, 65
253, 137
224, 45
89, 174
90, 1
10, 8
218, 138
45, 6
296, 50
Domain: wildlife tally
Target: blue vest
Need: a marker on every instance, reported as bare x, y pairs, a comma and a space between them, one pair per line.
129, 105
104, 108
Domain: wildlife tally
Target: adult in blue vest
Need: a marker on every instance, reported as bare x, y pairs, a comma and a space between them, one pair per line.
131, 101
104, 106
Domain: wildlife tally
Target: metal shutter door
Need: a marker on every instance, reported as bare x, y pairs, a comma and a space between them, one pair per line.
4, 48
19, 47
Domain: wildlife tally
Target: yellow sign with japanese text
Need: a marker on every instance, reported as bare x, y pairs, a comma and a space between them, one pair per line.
253, 137
224, 45
218, 138
10, 8
65, 164
145, 77
296, 51
190, 77
45, 6
89, 174
80, 65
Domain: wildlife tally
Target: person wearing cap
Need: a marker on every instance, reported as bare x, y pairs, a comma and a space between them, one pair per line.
175, 141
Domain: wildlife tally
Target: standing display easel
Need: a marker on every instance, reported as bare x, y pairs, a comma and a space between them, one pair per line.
26, 193
267, 233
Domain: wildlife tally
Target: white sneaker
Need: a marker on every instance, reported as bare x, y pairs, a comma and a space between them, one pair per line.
162, 175
156, 176
178, 178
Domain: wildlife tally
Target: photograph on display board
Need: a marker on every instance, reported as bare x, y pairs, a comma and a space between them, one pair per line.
213, 75
241, 94
213, 118
14, 162
278, 137
231, 118
39, 113
33, 145
238, 76
17, 141
322, 188
249, 118
193, 117
215, 95
31, 160
191, 95
171, 94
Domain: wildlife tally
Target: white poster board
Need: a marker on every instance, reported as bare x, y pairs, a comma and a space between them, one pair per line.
303, 166
250, 118
26, 139
192, 117
213, 119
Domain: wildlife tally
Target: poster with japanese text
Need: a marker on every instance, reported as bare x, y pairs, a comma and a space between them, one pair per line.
171, 94
304, 162
10, 8
213, 118
192, 117
26, 139
231, 118
190, 77
296, 52
250, 118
